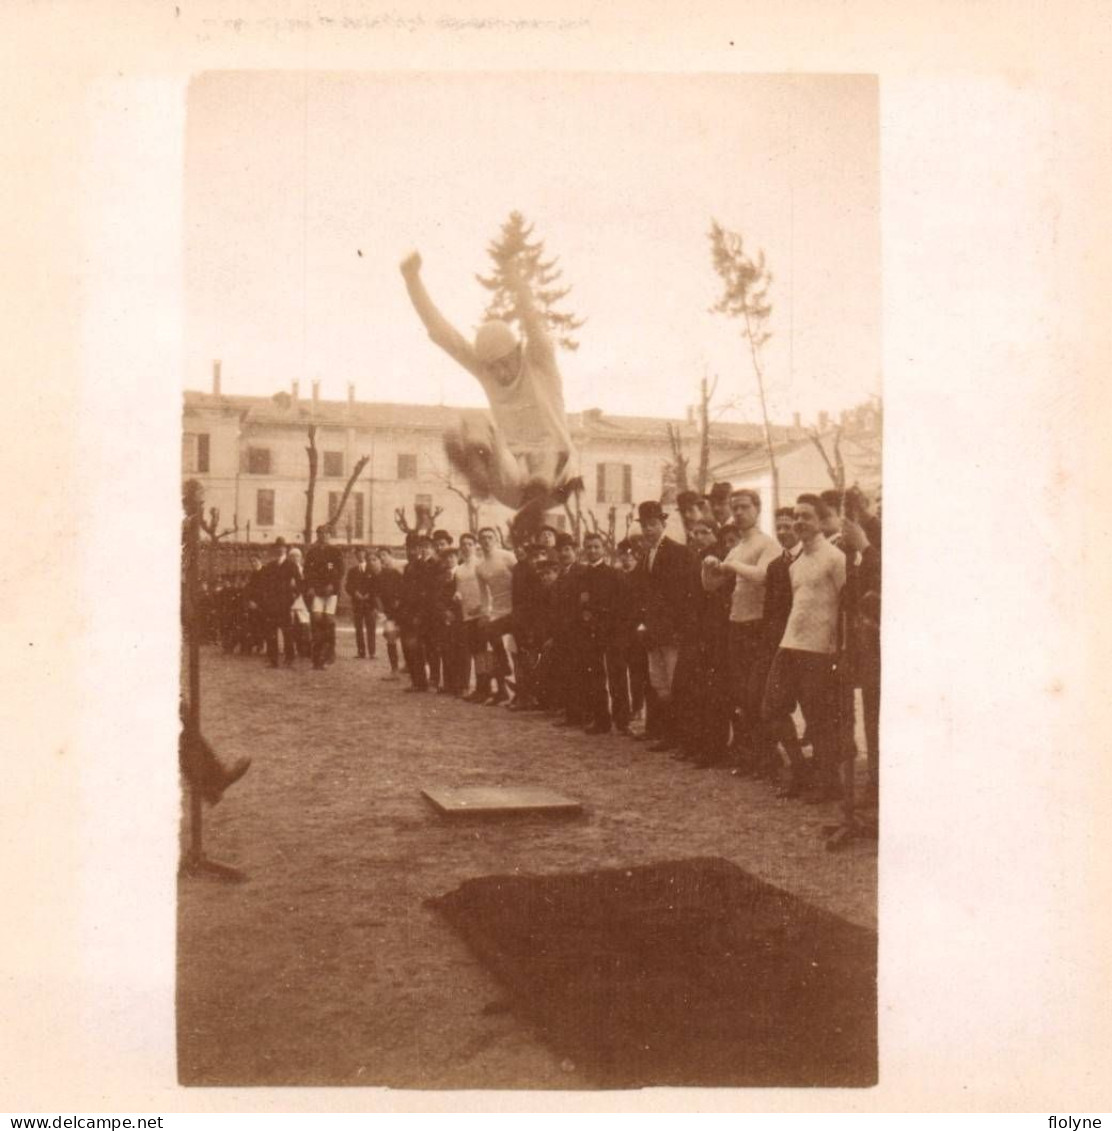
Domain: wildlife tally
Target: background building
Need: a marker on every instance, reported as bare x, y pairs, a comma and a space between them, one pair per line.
249, 455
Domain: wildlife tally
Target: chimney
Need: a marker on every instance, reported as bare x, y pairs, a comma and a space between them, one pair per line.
351, 394
824, 421
797, 421
316, 393
295, 391
216, 378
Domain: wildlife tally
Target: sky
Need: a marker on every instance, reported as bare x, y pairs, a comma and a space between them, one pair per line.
290, 176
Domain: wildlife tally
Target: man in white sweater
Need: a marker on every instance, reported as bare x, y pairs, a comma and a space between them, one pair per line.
803, 669
747, 564
494, 572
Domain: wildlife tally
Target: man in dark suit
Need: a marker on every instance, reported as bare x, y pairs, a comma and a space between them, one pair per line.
276, 588
360, 588
669, 571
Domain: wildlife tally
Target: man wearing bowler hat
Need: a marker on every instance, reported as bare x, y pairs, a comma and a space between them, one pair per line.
668, 568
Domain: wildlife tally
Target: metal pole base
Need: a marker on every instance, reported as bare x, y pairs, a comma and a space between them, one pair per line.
201, 867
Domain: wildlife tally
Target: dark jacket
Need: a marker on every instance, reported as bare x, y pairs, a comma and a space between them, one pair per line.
360, 585
525, 591
324, 570
777, 599
567, 604
630, 612
417, 594
709, 627
599, 602
669, 595
388, 590
278, 586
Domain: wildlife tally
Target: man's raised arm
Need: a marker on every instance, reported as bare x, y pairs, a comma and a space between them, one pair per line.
441, 331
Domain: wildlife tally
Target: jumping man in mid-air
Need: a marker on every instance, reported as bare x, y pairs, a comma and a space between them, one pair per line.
526, 460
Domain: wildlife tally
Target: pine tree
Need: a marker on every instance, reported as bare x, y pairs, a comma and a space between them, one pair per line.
542, 275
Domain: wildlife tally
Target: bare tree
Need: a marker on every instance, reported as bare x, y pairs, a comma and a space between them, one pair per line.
423, 522
213, 524
835, 467
705, 395
608, 534
474, 519
676, 468
745, 297
355, 473
310, 491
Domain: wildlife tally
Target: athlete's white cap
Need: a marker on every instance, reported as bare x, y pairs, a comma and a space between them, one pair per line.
494, 340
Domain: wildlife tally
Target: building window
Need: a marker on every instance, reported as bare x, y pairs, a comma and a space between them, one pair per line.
357, 503
615, 483
258, 461
264, 508
407, 466
333, 505
195, 453
333, 464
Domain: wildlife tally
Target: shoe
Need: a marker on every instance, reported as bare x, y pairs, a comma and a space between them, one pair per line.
624, 731
477, 696
361, 656
390, 677
562, 724
223, 778
500, 696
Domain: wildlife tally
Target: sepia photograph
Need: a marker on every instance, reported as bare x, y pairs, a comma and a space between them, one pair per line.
449, 452
532, 476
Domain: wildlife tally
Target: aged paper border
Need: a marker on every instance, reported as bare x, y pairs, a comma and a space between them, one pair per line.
994, 872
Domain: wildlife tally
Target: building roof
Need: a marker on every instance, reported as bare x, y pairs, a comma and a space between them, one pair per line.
856, 453
594, 424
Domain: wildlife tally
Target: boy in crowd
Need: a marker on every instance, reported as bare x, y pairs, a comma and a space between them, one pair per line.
605, 676
629, 651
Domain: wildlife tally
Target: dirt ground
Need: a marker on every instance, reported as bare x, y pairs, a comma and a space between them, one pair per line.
326, 967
